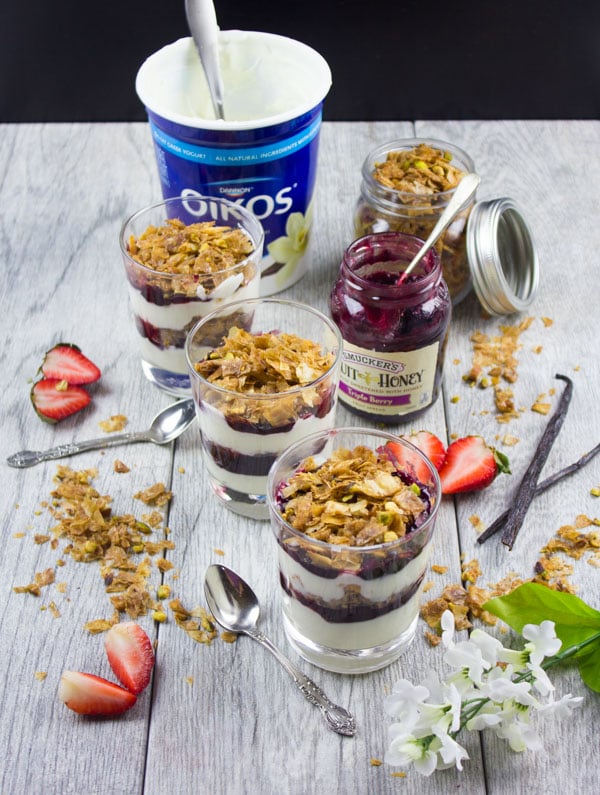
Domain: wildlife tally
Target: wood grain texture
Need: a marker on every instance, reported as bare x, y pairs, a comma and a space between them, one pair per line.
226, 718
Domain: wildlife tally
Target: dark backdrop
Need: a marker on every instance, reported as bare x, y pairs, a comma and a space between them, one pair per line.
71, 60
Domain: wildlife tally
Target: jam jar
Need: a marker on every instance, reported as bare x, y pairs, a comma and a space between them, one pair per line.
406, 185
394, 329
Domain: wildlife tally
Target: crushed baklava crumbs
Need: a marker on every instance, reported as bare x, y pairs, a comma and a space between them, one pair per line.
121, 546
494, 364
421, 171
465, 600
354, 498
116, 423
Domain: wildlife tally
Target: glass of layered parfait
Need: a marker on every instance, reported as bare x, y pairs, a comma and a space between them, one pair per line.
185, 257
354, 529
264, 374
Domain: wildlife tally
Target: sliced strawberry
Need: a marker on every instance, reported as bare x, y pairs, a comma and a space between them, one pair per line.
407, 461
92, 695
54, 400
66, 362
130, 655
471, 465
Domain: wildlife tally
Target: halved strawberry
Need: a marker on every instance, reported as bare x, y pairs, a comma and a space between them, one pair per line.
407, 461
54, 400
130, 655
66, 362
88, 694
471, 465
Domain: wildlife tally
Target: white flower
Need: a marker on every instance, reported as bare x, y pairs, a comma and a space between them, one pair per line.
541, 680
490, 647
502, 688
542, 641
447, 624
405, 748
489, 715
404, 702
290, 248
467, 655
450, 751
520, 735
561, 708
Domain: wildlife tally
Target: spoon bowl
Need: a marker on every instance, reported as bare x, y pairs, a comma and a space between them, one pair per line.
168, 424
235, 607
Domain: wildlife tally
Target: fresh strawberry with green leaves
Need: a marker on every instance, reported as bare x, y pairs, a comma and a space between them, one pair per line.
55, 399
130, 655
88, 694
471, 465
408, 461
66, 362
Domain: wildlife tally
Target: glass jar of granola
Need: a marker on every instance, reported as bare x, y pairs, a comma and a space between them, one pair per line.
394, 328
406, 185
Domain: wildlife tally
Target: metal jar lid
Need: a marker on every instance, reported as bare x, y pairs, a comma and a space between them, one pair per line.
502, 257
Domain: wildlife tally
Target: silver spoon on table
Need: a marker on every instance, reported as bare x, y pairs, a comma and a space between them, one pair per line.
463, 193
235, 607
168, 424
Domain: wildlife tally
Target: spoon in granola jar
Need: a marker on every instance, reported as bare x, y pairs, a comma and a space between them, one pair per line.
168, 424
235, 607
463, 193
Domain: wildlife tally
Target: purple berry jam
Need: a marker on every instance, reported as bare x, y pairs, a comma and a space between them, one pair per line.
394, 329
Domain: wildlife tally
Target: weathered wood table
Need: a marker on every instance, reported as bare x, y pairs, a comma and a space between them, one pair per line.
225, 718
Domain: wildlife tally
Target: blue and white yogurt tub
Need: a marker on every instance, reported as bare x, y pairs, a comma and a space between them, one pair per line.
263, 155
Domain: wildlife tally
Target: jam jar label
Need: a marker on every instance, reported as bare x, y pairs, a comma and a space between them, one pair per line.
387, 383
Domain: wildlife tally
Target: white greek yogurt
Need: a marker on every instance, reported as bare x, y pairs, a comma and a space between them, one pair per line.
215, 429
179, 316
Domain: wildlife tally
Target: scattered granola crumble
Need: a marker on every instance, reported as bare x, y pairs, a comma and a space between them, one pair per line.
494, 362
155, 495
439, 569
354, 498
120, 467
510, 441
197, 623
41, 675
116, 423
547, 321
477, 523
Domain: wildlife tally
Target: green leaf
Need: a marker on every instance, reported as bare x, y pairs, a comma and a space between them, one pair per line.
589, 668
532, 603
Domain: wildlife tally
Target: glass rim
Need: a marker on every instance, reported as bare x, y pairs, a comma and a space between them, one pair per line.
261, 301
257, 240
386, 545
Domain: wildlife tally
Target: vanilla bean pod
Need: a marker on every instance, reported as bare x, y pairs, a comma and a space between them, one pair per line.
526, 489
498, 523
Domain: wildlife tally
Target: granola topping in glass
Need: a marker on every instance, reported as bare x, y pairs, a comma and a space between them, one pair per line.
355, 498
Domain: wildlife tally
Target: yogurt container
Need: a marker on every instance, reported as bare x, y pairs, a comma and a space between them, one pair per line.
263, 155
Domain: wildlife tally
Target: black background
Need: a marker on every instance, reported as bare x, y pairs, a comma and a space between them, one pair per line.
69, 60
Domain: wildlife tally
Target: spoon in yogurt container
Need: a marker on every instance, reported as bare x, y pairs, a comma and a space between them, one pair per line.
202, 22
235, 607
462, 195
168, 424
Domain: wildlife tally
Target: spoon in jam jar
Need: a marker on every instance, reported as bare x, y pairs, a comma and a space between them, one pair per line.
462, 195
235, 607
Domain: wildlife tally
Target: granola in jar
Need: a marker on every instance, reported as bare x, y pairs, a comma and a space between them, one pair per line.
406, 185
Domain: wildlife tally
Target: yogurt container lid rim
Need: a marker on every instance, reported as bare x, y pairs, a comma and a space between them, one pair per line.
316, 98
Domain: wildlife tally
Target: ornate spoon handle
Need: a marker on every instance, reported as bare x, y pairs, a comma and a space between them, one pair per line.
337, 718
27, 458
